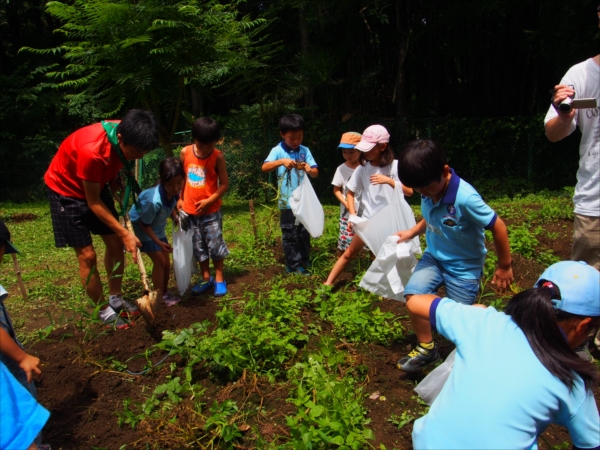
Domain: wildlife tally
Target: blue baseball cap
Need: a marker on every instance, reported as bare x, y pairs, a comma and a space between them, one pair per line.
579, 286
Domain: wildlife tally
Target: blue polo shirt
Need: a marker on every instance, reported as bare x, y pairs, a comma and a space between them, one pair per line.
499, 395
287, 183
155, 209
455, 228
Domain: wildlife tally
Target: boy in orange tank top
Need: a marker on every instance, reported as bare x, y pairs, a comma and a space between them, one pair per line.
206, 182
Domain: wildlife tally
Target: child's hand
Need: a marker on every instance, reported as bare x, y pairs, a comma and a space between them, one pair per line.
503, 278
30, 364
404, 235
303, 166
380, 179
288, 163
202, 206
165, 247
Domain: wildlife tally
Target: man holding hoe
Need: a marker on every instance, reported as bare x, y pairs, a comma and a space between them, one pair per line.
81, 203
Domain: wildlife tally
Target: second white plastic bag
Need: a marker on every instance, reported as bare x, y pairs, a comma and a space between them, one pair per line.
432, 384
307, 209
183, 258
391, 269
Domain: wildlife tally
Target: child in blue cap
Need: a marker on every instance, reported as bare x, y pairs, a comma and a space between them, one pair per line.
516, 371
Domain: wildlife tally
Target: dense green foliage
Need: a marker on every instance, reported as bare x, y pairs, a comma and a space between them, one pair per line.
343, 65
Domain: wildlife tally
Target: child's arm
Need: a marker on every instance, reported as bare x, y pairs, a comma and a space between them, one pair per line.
312, 171
268, 166
26, 361
503, 275
407, 235
221, 169
150, 232
350, 202
408, 192
337, 191
382, 179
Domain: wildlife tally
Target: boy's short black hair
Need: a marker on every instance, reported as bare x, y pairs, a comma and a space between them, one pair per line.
170, 168
291, 122
205, 130
420, 163
138, 128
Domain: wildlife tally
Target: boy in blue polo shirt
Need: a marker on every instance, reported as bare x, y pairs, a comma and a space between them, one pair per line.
454, 219
290, 158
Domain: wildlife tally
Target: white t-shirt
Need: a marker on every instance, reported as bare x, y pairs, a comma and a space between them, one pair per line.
373, 196
340, 179
585, 77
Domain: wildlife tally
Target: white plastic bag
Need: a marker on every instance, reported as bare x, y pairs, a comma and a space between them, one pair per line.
307, 209
183, 258
388, 220
390, 271
432, 384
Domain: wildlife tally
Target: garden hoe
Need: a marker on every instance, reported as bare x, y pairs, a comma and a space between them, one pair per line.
147, 302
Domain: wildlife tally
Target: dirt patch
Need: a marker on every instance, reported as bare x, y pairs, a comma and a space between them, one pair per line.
19, 217
84, 387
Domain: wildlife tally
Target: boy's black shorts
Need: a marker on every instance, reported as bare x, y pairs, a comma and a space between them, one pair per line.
73, 221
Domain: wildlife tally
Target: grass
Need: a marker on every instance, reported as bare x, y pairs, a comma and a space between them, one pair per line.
291, 338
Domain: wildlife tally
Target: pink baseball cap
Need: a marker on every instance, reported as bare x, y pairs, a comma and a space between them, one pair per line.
375, 134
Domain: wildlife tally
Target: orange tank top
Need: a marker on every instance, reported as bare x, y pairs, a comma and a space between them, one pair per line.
202, 180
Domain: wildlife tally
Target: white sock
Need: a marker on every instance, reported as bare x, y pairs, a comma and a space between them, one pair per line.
105, 313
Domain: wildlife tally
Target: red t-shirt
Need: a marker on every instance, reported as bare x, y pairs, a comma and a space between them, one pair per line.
84, 155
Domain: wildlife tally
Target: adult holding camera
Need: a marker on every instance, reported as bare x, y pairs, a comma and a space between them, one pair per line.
581, 81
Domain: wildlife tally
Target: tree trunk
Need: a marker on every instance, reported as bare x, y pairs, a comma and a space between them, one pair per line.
404, 33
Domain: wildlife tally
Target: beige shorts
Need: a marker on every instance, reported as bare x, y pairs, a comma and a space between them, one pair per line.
586, 240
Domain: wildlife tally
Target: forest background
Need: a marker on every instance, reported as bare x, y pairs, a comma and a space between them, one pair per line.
474, 75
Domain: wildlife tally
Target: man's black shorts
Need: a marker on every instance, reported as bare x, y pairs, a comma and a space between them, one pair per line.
73, 221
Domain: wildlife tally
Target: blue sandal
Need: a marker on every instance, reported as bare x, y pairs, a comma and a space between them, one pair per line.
201, 288
220, 289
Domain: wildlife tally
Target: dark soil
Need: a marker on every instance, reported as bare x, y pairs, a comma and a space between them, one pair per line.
85, 391
19, 217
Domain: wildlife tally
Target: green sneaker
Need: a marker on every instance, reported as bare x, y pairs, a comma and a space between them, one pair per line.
418, 358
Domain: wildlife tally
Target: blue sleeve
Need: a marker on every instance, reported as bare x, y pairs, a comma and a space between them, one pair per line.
274, 155
584, 425
149, 206
478, 212
309, 158
457, 322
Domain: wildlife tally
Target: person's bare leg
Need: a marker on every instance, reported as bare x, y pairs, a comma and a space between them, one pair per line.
88, 273
158, 270
219, 277
114, 262
205, 268
351, 252
420, 326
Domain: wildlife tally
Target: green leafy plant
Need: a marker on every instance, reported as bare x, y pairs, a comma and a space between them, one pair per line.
401, 420
330, 411
355, 319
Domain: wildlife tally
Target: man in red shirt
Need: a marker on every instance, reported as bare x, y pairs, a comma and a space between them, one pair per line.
81, 203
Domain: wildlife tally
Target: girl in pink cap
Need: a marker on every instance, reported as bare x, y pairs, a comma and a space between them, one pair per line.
374, 180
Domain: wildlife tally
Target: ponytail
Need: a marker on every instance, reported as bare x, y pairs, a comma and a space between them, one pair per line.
533, 312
